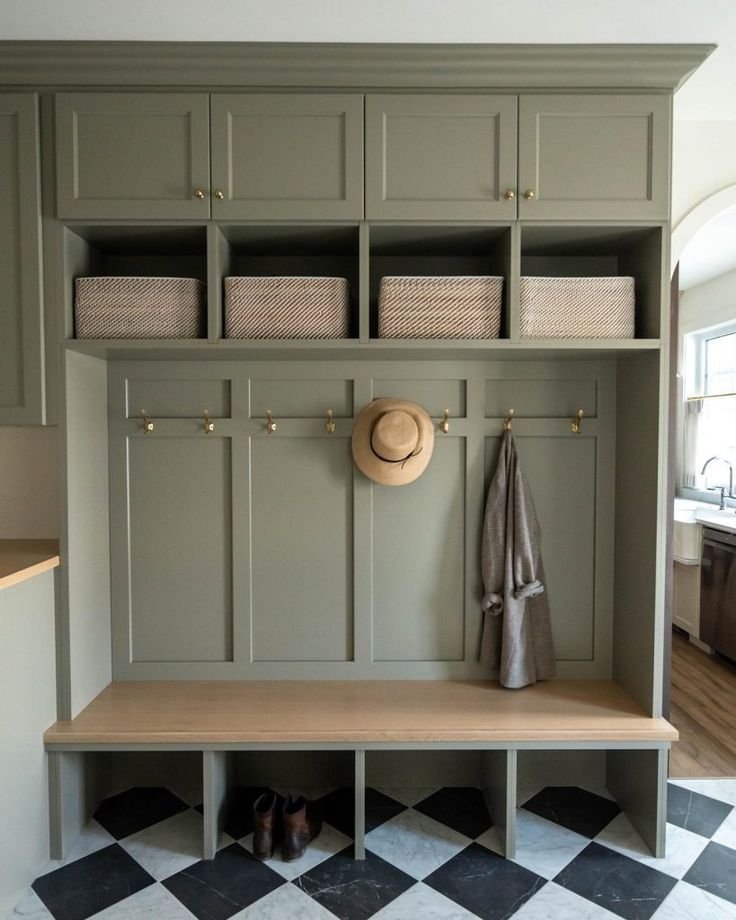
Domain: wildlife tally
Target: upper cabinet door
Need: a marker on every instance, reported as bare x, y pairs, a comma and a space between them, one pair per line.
594, 157
440, 157
133, 155
283, 156
21, 331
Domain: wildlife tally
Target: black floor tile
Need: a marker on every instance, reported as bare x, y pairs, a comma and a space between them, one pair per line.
574, 808
91, 884
136, 809
484, 883
218, 888
695, 812
611, 880
715, 871
338, 809
354, 890
462, 808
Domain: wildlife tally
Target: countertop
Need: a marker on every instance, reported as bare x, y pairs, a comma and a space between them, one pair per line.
23, 559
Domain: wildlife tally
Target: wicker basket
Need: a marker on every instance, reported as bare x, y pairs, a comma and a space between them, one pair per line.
437, 307
577, 308
138, 308
286, 308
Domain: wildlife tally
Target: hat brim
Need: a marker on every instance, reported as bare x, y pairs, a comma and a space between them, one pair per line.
383, 471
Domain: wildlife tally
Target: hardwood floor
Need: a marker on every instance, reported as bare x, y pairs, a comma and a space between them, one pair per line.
703, 711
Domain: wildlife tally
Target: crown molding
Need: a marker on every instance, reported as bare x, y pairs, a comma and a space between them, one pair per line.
371, 66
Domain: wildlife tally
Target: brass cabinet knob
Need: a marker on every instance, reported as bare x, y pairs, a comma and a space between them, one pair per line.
219, 194
510, 195
200, 193
529, 194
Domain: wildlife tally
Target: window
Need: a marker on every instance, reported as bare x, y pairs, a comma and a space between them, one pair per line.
710, 421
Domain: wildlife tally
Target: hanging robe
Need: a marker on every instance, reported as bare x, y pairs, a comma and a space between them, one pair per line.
517, 635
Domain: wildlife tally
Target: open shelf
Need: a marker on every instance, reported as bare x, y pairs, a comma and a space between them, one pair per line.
564, 251
150, 250
271, 250
438, 249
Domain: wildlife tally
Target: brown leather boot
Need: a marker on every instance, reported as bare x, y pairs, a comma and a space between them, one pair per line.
267, 821
301, 823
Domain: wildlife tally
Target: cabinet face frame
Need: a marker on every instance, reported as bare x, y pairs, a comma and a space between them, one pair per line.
21, 322
609, 204
181, 202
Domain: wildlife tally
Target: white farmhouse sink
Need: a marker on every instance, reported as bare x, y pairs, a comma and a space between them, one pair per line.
687, 532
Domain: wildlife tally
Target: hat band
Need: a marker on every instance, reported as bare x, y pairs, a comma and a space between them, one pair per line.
403, 461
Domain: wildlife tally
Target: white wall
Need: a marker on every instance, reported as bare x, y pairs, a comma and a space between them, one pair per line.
704, 162
708, 304
29, 486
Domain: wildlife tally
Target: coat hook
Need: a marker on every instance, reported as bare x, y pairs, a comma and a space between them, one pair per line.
509, 421
209, 426
270, 424
445, 423
330, 423
147, 423
577, 421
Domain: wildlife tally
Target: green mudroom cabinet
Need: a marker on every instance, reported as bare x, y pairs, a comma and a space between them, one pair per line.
215, 526
22, 376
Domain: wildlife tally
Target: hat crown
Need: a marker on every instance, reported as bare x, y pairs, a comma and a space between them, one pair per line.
395, 435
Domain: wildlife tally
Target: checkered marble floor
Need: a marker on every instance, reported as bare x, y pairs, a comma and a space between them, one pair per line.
432, 853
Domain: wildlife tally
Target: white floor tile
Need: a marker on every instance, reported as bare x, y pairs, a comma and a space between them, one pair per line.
154, 903
285, 903
329, 842
686, 902
169, 846
541, 846
423, 903
683, 847
556, 903
415, 843
726, 833
30, 907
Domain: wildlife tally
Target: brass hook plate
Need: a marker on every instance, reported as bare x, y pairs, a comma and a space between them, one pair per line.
445, 423
147, 423
577, 422
509, 421
330, 423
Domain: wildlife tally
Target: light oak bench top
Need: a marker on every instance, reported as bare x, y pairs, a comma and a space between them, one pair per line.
22, 559
210, 712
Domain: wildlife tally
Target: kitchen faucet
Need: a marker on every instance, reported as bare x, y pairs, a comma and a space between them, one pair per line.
730, 480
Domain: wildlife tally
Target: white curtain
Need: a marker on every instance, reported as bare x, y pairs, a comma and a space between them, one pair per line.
693, 441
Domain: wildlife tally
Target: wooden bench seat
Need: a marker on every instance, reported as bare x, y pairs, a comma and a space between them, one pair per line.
217, 717
206, 713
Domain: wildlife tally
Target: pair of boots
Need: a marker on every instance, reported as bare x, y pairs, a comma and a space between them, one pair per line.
293, 825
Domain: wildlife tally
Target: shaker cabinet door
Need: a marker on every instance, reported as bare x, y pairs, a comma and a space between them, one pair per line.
21, 339
133, 155
440, 157
287, 156
593, 157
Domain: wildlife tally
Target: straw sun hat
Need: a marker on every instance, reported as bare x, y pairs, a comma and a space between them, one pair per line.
392, 441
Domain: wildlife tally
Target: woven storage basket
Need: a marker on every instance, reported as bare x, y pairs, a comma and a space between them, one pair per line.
138, 308
286, 308
577, 308
438, 307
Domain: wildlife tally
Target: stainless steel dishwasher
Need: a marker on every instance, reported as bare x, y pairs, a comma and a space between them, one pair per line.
718, 591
